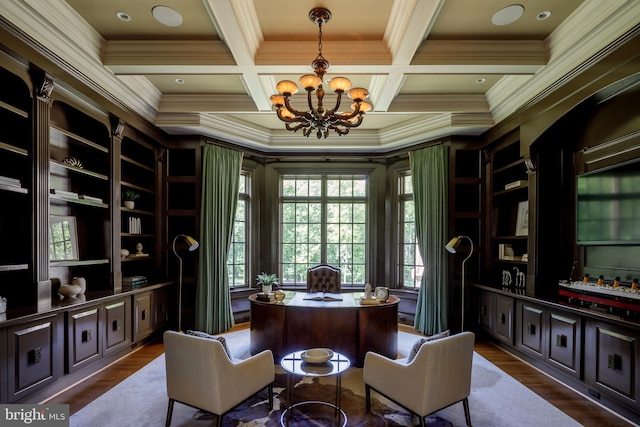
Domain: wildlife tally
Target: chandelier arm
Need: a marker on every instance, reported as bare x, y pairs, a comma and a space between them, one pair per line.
338, 101
340, 131
292, 110
291, 128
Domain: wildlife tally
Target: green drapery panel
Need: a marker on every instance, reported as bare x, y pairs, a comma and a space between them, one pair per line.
220, 181
430, 176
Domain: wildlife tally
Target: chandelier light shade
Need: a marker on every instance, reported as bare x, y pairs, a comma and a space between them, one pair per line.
316, 118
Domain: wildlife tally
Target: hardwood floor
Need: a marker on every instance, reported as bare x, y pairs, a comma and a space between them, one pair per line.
570, 402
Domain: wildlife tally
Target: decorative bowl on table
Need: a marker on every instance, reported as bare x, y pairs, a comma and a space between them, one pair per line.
69, 290
316, 355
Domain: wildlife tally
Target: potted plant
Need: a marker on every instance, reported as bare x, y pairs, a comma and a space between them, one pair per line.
267, 281
130, 198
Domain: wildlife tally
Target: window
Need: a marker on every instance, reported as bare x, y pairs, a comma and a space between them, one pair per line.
323, 219
410, 263
237, 261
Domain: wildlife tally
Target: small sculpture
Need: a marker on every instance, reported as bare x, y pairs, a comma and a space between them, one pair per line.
139, 248
367, 291
3, 304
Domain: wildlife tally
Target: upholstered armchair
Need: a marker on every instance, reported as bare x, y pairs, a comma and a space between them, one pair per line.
323, 278
202, 375
438, 376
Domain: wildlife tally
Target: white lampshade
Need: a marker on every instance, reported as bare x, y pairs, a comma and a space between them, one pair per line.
286, 113
358, 93
310, 81
340, 84
287, 87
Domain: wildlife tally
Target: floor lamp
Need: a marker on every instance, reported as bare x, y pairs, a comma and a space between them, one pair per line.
193, 245
452, 247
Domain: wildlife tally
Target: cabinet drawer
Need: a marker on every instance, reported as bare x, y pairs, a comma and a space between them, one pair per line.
116, 325
485, 311
530, 330
84, 336
564, 341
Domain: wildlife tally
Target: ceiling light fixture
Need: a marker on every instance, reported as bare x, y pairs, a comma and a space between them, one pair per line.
123, 16
543, 15
317, 119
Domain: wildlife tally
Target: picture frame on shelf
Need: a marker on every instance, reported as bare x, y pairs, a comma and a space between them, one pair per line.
63, 238
522, 220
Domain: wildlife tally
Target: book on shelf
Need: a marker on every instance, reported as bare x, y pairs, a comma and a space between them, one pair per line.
64, 193
512, 258
323, 296
135, 225
5, 180
505, 250
90, 198
265, 297
134, 281
515, 184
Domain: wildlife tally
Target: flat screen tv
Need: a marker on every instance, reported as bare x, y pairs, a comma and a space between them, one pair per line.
608, 205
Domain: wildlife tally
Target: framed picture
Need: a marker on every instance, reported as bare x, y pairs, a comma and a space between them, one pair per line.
63, 238
522, 221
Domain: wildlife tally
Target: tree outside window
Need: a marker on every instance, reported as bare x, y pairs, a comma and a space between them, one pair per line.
237, 261
323, 221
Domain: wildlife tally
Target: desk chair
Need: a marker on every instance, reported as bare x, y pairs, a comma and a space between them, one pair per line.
323, 278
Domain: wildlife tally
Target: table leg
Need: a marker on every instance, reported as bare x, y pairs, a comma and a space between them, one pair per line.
338, 393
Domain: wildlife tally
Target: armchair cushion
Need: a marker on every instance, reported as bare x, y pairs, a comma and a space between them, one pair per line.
418, 344
211, 337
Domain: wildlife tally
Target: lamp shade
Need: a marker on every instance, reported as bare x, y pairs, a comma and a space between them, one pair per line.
285, 87
277, 100
453, 244
193, 243
364, 106
340, 84
358, 93
310, 81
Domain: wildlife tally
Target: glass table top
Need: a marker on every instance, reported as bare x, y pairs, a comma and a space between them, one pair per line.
294, 364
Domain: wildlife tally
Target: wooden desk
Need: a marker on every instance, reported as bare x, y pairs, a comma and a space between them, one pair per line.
344, 326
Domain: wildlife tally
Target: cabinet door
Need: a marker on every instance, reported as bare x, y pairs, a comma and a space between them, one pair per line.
611, 358
83, 337
117, 327
161, 310
504, 318
564, 341
142, 316
485, 311
529, 329
31, 356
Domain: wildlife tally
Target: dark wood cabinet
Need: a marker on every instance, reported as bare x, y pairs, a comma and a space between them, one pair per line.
33, 355
529, 328
142, 315
565, 332
83, 337
611, 364
117, 325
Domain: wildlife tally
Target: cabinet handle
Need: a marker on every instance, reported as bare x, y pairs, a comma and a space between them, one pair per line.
116, 325
561, 340
483, 310
34, 355
86, 335
614, 361
143, 315
502, 317
531, 329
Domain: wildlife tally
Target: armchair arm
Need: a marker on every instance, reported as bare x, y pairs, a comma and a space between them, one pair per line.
237, 380
394, 378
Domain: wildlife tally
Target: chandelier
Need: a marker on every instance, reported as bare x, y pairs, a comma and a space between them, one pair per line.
317, 119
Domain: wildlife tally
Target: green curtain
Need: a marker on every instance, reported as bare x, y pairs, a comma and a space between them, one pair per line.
429, 173
220, 181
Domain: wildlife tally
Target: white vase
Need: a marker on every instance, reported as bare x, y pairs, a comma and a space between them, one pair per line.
130, 204
81, 282
266, 289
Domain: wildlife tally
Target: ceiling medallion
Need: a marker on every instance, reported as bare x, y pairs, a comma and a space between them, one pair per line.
317, 119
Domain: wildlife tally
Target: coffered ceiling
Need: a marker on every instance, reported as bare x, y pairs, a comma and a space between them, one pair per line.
433, 67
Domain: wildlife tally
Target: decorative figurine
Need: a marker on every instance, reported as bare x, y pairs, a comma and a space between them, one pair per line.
367, 291
139, 248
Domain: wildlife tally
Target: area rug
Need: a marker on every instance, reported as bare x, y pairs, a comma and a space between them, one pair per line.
496, 400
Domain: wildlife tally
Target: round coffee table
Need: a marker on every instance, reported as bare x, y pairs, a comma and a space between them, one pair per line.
293, 364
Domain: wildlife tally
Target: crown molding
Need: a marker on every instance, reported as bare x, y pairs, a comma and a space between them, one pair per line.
433, 103
343, 52
167, 52
483, 52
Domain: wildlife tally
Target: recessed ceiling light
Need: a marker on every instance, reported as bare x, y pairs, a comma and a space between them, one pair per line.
481, 80
508, 15
123, 16
180, 81
167, 16
543, 15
